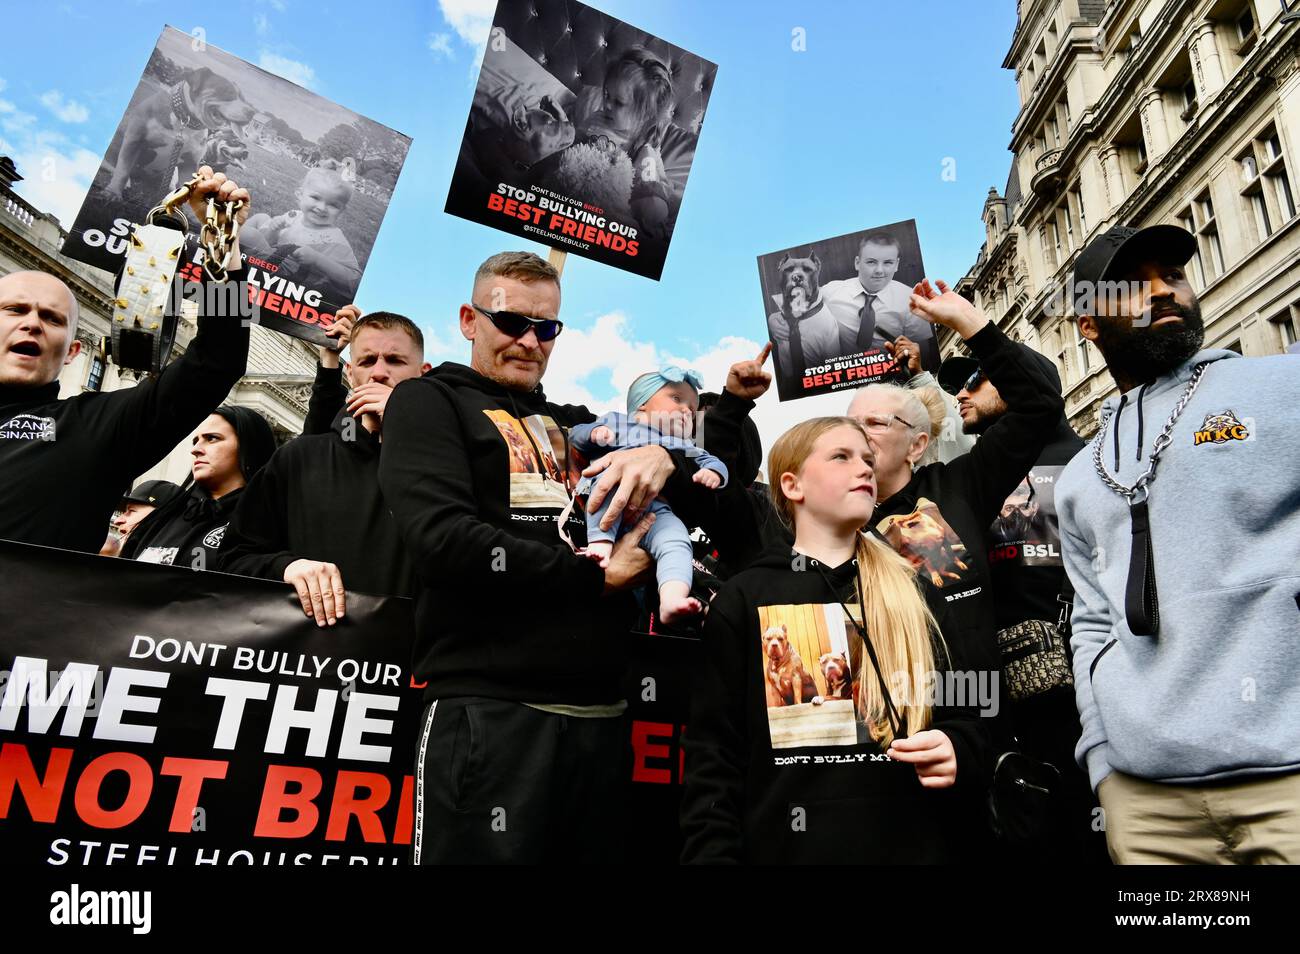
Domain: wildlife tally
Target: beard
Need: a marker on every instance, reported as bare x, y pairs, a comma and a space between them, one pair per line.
1145, 353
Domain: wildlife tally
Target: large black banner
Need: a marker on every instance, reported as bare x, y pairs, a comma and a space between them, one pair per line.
155, 715
161, 716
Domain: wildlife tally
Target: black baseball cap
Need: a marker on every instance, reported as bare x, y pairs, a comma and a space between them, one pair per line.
957, 369
1163, 243
156, 492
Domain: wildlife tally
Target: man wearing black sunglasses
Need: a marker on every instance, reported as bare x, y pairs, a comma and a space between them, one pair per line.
1027, 583
520, 642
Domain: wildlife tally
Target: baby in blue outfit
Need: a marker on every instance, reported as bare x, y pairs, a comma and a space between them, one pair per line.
661, 408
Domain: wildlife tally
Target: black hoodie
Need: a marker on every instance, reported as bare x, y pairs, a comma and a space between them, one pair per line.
475, 476
67, 463
189, 530
759, 789
318, 499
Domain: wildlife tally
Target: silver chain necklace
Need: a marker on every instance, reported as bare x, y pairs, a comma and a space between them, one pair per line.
1163, 440
1141, 601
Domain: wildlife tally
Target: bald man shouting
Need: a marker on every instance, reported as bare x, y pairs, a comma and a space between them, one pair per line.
64, 465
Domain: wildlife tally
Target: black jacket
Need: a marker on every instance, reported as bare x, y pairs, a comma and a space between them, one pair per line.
475, 476
758, 791
187, 531
60, 491
319, 499
328, 395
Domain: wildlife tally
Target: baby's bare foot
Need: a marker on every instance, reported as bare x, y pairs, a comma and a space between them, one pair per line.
674, 608
599, 552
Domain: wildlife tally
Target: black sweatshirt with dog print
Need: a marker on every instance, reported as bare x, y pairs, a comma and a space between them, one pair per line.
780, 768
477, 477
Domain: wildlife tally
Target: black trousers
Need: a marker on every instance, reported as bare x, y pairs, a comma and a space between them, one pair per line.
499, 782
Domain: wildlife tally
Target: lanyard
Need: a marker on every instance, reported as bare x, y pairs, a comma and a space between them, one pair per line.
897, 723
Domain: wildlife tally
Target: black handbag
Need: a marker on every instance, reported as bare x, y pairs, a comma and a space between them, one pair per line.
1035, 654
1026, 797
1025, 800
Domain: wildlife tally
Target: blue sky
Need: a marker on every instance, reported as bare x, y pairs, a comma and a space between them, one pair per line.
852, 131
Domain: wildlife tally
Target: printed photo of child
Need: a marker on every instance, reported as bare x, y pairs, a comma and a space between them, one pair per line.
307, 241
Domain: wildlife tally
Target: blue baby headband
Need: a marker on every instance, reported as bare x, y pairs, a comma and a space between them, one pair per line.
644, 387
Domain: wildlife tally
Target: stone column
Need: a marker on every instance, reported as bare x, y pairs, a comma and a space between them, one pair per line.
1111, 178
1205, 61
1154, 129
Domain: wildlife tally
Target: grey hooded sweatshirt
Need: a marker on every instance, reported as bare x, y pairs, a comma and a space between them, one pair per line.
1215, 693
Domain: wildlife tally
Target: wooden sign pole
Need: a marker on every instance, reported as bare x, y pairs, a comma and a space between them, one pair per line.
556, 258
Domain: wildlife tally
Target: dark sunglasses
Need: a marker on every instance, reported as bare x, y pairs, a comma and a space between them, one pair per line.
516, 325
973, 381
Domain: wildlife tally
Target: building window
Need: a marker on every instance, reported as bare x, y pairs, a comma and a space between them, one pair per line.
1287, 326
1194, 268
1189, 100
1075, 200
1275, 172
1246, 32
1141, 166
1081, 352
1253, 191
95, 377
1207, 236
1266, 183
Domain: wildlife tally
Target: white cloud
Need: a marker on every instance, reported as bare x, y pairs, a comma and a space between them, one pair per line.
440, 46
471, 19
56, 175
14, 121
279, 5
292, 70
69, 111
261, 25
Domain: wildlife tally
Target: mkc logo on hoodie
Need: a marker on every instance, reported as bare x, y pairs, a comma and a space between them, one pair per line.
1219, 429
27, 427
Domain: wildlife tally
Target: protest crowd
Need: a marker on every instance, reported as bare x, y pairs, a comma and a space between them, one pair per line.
1003, 720
938, 627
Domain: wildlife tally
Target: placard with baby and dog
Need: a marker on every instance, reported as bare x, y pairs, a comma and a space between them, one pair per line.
581, 134
836, 309
323, 174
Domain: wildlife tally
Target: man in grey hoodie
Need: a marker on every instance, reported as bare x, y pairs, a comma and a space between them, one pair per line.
1180, 529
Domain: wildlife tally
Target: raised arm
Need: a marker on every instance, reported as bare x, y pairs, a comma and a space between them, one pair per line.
151, 418
1005, 452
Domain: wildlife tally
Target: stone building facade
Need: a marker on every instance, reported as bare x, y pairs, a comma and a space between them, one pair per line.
1137, 112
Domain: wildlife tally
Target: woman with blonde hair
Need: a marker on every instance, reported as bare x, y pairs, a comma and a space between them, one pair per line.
825, 727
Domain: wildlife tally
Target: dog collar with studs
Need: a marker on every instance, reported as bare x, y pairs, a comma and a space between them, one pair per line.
181, 111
